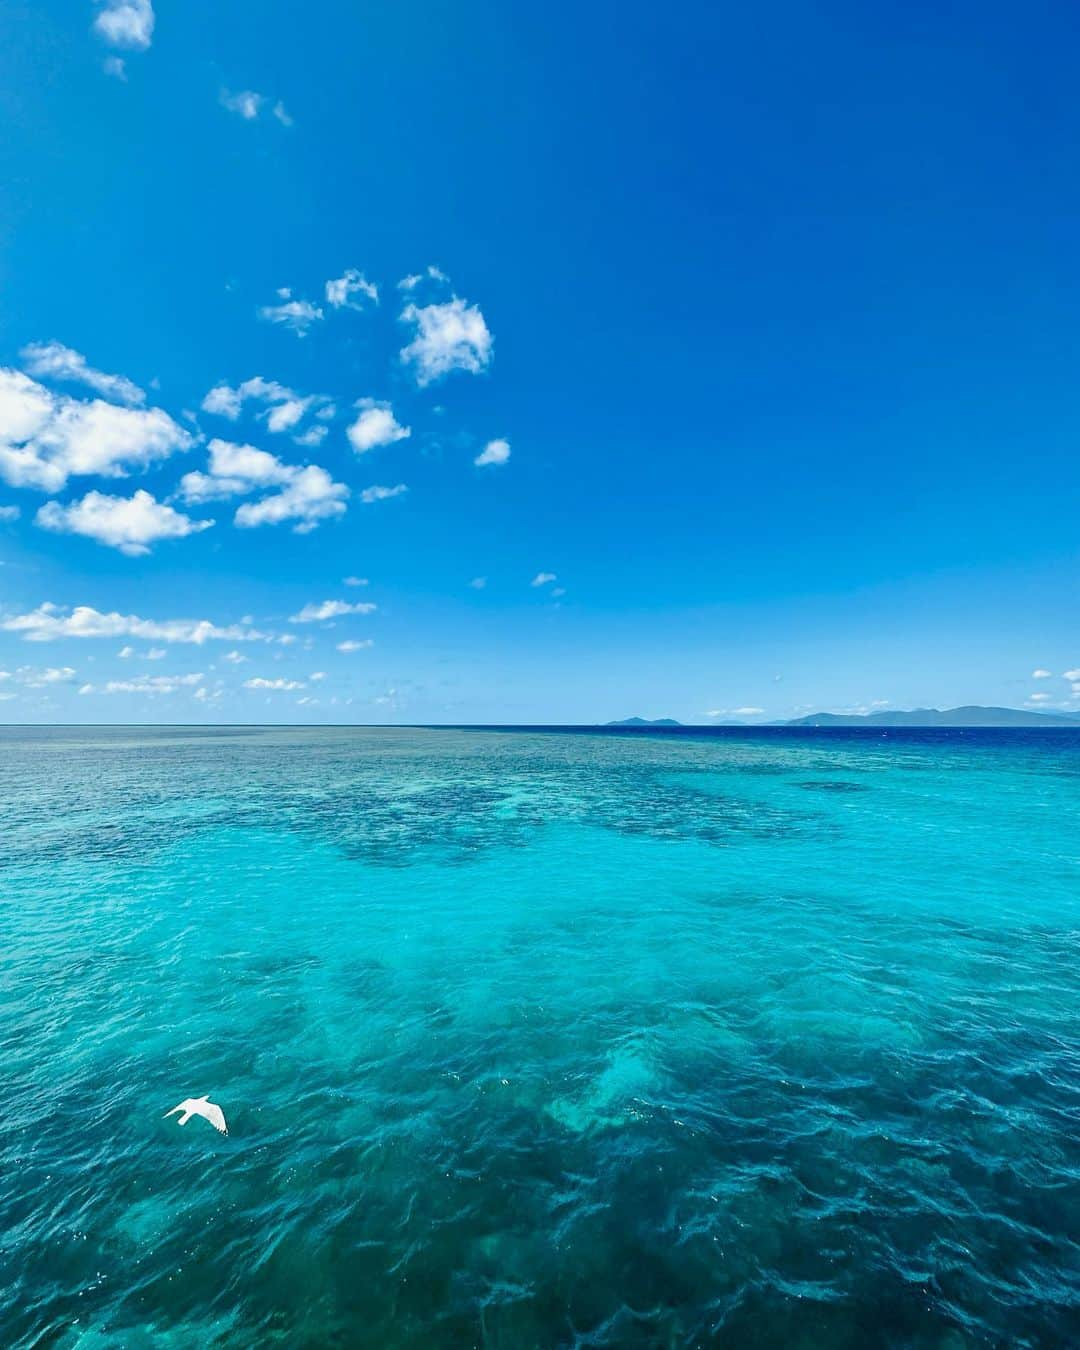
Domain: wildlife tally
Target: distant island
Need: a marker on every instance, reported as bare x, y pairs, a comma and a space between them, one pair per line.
645, 722
970, 716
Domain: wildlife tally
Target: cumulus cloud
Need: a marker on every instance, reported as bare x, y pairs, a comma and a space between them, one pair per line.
297, 315
351, 646
306, 495
318, 611
495, 452
54, 361
9, 513
45, 438
351, 291
285, 409
259, 683
1071, 675
375, 426
308, 498
542, 578
50, 622
1041, 674
126, 23
376, 493
449, 336
131, 524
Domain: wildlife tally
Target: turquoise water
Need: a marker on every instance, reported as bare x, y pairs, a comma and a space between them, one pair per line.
534, 1040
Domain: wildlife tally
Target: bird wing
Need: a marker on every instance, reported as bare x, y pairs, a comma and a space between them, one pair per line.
215, 1115
184, 1106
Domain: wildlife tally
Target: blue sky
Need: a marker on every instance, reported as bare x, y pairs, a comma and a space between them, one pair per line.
755, 329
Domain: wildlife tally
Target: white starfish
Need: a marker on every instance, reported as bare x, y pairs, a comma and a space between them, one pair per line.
200, 1106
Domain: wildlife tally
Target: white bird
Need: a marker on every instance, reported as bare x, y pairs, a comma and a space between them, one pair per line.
200, 1106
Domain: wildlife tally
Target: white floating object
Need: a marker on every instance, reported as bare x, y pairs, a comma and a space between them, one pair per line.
200, 1106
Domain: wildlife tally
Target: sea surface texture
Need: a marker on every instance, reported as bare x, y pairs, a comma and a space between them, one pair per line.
540, 1039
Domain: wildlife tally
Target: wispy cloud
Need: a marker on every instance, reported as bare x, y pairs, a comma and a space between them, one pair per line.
54, 361
296, 315
249, 105
131, 524
145, 684
351, 290
280, 685
353, 646
1041, 674
50, 622
377, 493
321, 610
542, 578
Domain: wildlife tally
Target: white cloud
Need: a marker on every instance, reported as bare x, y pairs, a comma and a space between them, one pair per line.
54, 361
317, 676
144, 684
130, 524
375, 493
35, 678
735, 712
235, 658
354, 581
281, 115
297, 315
245, 103
259, 683
1039, 698
45, 438
1041, 674
318, 611
431, 273
9, 513
1071, 675
495, 452
542, 578
478, 583
340, 292
352, 646
558, 591
285, 408
126, 652
314, 436
451, 336
126, 23
49, 622
307, 494
375, 426
309, 497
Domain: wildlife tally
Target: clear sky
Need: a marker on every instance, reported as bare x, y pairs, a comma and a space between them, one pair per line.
666, 360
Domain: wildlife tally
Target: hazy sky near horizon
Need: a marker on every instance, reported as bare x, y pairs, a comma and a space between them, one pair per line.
502, 363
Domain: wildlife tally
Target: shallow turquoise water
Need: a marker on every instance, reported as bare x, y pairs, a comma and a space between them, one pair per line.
540, 1040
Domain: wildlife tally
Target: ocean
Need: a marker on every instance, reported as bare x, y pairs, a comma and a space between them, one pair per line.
540, 1039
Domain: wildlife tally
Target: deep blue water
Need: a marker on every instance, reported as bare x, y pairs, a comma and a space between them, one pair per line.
540, 1038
